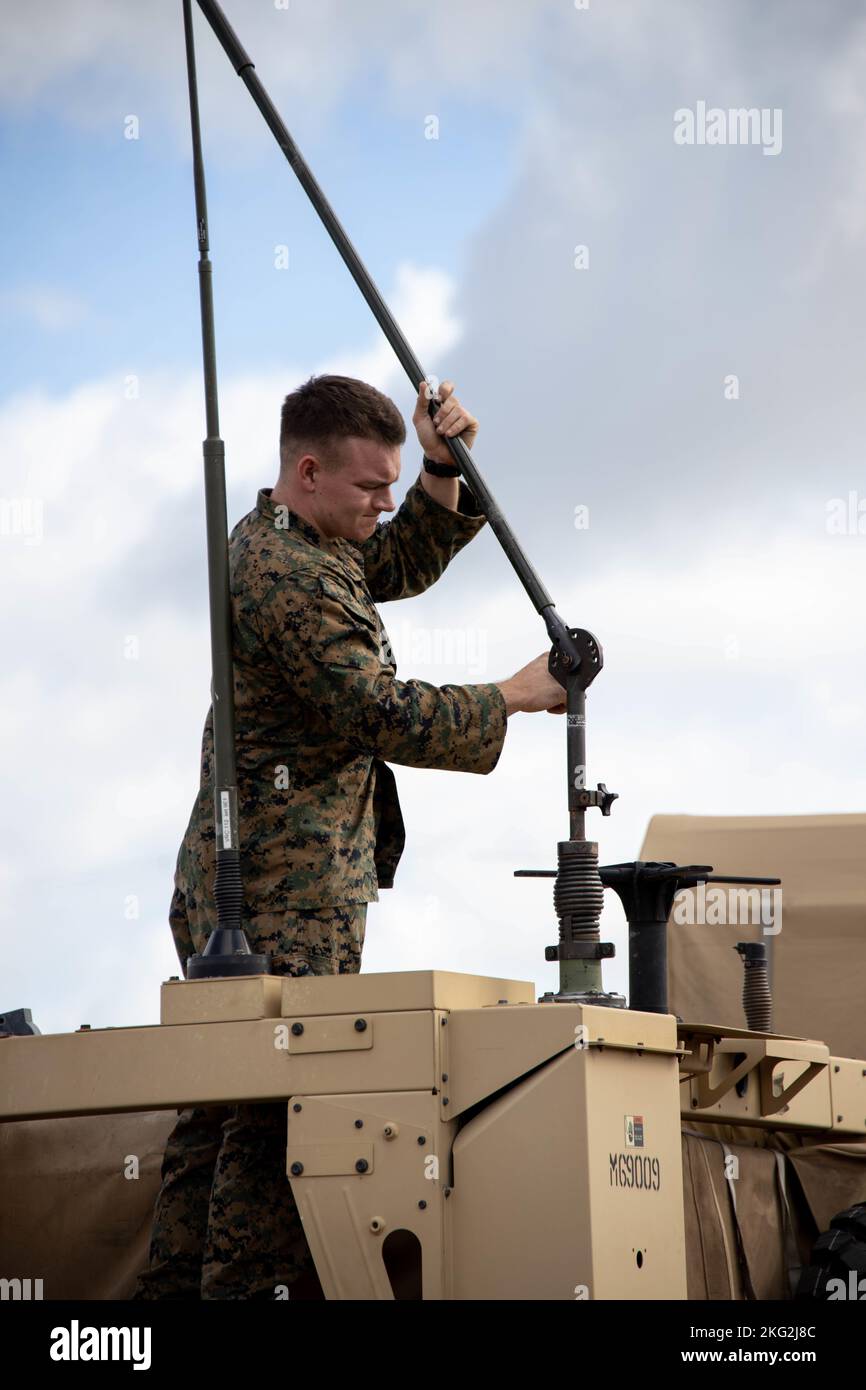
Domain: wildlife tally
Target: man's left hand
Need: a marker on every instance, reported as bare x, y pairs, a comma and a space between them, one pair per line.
450, 419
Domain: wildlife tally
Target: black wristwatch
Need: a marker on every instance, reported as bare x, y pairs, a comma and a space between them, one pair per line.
441, 470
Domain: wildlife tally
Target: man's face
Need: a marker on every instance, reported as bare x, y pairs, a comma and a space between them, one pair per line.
349, 501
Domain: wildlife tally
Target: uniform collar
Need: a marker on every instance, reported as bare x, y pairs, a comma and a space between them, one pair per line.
285, 519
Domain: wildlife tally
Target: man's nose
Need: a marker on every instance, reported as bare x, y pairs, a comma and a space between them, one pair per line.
386, 503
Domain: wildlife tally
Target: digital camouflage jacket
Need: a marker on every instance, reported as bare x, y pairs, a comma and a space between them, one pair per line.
320, 714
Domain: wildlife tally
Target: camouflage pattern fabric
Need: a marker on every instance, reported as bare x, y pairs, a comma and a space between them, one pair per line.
225, 1223
319, 713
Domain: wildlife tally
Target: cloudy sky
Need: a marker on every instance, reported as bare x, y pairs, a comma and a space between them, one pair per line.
668, 335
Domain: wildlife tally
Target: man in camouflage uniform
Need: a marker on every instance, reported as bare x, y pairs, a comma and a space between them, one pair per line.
319, 715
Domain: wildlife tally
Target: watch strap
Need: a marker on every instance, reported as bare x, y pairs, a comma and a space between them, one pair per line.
441, 470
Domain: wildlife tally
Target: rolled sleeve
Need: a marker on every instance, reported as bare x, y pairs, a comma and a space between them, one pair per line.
329, 651
406, 555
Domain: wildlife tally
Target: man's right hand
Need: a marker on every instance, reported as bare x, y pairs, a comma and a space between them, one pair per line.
533, 688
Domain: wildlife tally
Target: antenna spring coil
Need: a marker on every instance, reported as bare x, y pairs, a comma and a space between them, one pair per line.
757, 999
228, 888
578, 892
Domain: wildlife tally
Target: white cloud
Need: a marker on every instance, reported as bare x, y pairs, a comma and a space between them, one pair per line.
101, 464
97, 62
51, 307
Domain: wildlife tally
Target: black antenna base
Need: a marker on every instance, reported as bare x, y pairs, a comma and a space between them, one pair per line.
226, 953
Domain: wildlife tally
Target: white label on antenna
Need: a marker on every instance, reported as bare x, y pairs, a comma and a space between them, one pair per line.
227, 820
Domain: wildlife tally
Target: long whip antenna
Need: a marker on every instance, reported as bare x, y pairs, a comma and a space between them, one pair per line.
227, 951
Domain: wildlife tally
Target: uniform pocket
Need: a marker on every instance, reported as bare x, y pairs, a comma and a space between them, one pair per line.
348, 635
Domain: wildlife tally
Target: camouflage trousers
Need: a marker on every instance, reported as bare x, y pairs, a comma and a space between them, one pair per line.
225, 1223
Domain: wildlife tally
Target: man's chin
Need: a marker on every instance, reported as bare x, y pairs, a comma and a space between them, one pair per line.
361, 530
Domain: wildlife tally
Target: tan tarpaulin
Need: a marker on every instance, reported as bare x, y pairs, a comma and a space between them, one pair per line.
747, 1232
72, 1218
68, 1213
818, 956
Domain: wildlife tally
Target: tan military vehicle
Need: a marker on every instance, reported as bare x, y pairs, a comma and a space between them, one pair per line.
450, 1137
